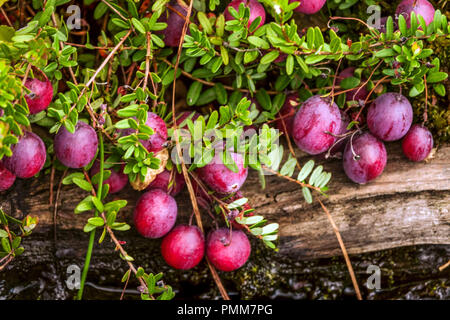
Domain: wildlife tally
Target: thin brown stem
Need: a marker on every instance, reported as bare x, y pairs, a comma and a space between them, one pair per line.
444, 266
344, 251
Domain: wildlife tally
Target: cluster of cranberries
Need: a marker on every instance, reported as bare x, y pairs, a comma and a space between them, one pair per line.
29, 154
319, 125
184, 246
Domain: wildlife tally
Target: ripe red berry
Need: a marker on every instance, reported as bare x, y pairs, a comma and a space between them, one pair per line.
158, 139
117, 180
366, 160
175, 22
419, 7
309, 6
417, 143
227, 252
163, 179
314, 122
390, 116
155, 214
357, 93
256, 10
183, 247
41, 95
290, 107
7, 178
28, 156
76, 150
221, 179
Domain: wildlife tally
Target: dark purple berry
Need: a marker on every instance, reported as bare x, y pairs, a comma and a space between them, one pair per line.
175, 23
357, 93
158, 139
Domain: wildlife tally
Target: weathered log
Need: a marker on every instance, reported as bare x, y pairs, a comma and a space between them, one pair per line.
408, 205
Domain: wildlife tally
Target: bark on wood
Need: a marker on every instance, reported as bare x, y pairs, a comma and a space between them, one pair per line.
408, 205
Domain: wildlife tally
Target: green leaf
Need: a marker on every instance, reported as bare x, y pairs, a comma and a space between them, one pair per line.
83, 184
385, 53
204, 21
289, 64
85, 205
306, 170
194, 93
5, 244
289, 167
402, 25
258, 42
307, 194
316, 173
269, 57
98, 204
436, 77
270, 228
96, 221
138, 25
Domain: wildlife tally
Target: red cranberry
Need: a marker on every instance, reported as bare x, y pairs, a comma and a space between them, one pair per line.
41, 95
309, 6
227, 253
155, 214
163, 179
183, 247
369, 159
357, 93
256, 10
390, 116
28, 156
290, 107
417, 143
419, 7
158, 139
221, 179
117, 180
6, 178
76, 150
175, 23
314, 122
